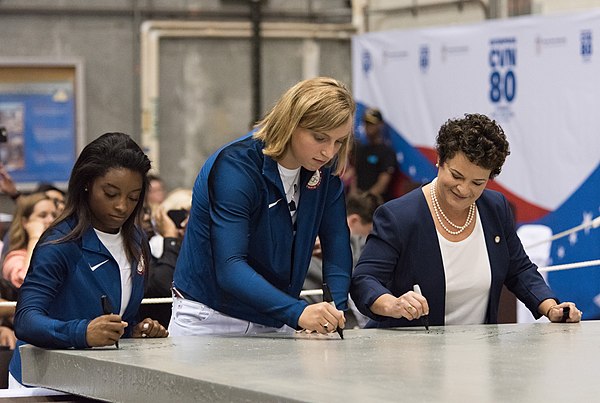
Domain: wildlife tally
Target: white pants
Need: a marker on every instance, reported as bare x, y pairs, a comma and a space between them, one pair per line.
13, 383
191, 318
21, 390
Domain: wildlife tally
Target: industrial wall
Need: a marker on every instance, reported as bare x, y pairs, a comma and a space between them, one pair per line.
206, 84
206, 92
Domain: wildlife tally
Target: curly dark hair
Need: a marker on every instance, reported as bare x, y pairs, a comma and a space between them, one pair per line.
481, 139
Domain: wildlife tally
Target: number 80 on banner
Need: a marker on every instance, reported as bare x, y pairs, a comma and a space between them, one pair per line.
502, 86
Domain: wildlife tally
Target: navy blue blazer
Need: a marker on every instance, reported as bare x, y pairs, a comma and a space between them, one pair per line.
403, 250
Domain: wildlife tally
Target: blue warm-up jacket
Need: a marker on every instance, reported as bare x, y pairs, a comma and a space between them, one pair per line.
62, 291
239, 255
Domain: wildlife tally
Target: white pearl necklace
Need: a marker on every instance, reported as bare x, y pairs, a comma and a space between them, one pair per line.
437, 209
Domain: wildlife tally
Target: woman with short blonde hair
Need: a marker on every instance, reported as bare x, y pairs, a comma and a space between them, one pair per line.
258, 205
321, 104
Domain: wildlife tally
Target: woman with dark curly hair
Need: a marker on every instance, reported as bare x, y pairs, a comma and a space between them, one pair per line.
453, 238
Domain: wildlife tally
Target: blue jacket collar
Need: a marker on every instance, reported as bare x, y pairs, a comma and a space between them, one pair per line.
92, 247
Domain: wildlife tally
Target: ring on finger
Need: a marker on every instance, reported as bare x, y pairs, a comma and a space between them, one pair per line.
325, 325
410, 308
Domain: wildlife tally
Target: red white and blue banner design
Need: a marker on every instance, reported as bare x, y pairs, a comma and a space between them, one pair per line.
539, 77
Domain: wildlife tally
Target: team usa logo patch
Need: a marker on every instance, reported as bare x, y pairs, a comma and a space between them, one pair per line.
315, 180
141, 266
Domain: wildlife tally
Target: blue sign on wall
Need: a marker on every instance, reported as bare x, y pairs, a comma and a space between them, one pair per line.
40, 121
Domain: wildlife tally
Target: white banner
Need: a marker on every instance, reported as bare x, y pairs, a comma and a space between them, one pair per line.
539, 77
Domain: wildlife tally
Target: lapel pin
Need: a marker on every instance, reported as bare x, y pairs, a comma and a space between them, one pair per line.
315, 180
141, 265
497, 239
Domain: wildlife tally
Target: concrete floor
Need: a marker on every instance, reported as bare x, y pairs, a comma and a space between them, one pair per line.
519, 363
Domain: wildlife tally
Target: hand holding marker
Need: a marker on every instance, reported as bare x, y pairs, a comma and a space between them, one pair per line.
328, 298
108, 310
424, 318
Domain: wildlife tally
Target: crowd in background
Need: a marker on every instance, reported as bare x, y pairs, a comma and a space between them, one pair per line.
33, 213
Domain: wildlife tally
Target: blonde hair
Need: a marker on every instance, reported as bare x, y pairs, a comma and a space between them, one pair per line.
320, 104
17, 235
180, 198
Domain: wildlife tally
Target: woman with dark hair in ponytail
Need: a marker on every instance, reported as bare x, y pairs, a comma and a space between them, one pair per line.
86, 278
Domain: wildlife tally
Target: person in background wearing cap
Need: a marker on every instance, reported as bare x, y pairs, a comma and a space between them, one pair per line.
375, 160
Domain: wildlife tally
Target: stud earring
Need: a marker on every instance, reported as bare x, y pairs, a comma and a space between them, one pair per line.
85, 189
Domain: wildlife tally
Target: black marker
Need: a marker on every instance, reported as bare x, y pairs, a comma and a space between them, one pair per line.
107, 309
327, 298
566, 311
424, 318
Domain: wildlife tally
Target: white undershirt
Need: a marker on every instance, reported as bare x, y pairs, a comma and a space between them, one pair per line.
468, 277
114, 244
290, 180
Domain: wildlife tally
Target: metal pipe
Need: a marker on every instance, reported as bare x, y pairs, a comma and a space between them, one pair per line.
135, 68
415, 8
255, 12
334, 15
153, 31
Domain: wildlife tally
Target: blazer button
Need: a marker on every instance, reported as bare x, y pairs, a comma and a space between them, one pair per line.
497, 239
